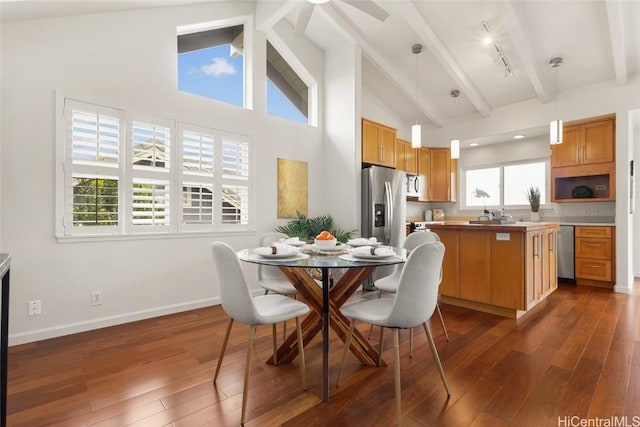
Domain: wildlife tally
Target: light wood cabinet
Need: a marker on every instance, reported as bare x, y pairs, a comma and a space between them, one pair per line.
584, 144
378, 144
594, 255
424, 158
442, 176
501, 269
586, 158
406, 157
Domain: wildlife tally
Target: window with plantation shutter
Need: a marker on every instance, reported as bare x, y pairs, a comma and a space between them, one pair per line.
214, 180
91, 168
124, 173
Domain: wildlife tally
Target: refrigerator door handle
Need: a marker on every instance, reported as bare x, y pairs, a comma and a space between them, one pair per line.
388, 198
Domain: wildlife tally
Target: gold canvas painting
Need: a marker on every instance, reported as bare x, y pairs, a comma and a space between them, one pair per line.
292, 188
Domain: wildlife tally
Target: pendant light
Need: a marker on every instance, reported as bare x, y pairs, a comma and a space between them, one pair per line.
455, 148
416, 130
555, 127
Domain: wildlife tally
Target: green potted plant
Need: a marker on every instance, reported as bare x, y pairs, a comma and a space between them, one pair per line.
533, 194
308, 228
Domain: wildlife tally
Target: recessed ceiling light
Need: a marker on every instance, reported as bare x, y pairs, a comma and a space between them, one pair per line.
487, 41
518, 137
473, 144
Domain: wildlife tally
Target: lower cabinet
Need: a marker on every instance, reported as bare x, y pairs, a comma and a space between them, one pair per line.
595, 255
507, 271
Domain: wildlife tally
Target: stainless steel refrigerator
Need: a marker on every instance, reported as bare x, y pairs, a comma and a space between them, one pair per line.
384, 208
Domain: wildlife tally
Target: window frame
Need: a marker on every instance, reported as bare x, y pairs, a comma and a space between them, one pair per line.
545, 196
125, 172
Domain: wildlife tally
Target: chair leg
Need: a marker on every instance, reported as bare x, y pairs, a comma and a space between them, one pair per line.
436, 356
223, 349
284, 330
396, 351
275, 344
370, 332
410, 342
381, 340
444, 328
347, 342
247, 370
302, 360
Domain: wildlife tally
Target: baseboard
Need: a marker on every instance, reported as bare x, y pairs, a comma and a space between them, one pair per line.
103, 322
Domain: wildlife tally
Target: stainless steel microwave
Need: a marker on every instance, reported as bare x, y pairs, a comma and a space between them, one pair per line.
414, 185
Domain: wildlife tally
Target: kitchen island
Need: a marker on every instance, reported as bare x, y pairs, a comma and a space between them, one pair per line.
504, 269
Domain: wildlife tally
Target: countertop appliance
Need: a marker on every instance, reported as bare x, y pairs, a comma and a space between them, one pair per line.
384, 210
566, 254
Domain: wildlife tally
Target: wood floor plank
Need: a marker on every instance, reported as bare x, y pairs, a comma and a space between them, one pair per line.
578, 354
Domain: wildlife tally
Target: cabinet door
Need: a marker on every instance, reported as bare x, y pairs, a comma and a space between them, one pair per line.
551, 239
388, 145
440, 175
450, 265
507, 270
598, 142
475, 277
411, 159
423, 170
371, 149
567, 153
593, 269
534, 256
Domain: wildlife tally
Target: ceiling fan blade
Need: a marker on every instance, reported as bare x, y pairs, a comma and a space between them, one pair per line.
304, 15
370, 8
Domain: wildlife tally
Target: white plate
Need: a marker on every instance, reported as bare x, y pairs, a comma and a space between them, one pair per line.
362, 242
365, 252
283, 251
337, 247
294, 242
350, 257
256, 257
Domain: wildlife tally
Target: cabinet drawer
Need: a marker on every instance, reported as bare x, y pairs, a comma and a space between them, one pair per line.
587, 247
589, 231
594, 269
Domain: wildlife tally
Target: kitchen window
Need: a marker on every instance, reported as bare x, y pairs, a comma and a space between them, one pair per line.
122, 173
503, 185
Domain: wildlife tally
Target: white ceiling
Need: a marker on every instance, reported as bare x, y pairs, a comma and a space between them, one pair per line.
599, 41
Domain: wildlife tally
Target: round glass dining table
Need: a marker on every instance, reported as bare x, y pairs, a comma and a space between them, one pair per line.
325, 301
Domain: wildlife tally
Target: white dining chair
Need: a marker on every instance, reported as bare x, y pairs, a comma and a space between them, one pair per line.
272, 279
389, 283
412, 305
239, 305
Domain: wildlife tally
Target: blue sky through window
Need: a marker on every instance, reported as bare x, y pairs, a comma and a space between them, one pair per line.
214, 74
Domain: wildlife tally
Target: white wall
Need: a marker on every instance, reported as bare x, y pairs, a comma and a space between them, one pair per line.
125, 60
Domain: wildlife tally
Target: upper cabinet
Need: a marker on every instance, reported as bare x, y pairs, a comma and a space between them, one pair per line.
406, 157
584, 144
378, 144
442, 176
583, 167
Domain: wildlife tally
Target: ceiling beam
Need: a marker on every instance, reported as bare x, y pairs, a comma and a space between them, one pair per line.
268, 13
523, 49
393, 74
616, 33
413, 17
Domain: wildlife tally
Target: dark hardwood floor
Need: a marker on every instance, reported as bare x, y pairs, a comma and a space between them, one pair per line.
577, 355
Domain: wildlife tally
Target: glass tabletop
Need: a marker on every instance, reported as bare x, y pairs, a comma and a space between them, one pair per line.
344, 259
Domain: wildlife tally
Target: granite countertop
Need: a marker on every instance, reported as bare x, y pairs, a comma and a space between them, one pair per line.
584, 220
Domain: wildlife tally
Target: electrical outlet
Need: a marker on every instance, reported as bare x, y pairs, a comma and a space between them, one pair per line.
96, 298
35, 307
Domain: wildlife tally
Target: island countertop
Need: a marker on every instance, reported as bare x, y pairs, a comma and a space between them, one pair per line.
517, 227
504, 269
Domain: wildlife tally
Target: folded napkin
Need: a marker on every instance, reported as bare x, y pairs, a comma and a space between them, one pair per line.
292, 241
276, 249
371, 251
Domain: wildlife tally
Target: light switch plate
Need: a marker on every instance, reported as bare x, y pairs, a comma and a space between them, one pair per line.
503, 236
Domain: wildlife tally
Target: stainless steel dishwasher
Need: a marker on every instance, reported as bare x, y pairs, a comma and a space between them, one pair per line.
566, 255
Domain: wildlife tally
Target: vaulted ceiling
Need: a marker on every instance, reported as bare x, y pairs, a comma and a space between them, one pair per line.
599, 40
